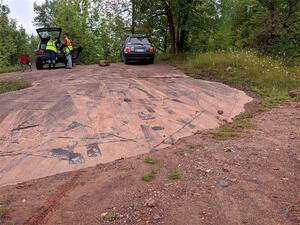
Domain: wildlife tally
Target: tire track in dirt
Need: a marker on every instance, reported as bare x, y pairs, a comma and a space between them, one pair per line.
53, 200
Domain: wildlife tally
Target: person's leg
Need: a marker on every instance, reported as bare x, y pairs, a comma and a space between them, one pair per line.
48, 54
69, 61
54, 59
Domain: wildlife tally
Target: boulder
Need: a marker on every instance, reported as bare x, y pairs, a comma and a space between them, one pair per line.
294, 93
104, 63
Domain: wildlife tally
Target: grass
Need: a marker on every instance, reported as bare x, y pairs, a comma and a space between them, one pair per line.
193, 146
270, 78
111, 216
225, 132
149, 176
7, 86
9, 69
174, 175
151, 160
3, 212
241, 122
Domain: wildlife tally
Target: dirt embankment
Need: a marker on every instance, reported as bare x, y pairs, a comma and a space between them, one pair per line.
251, 180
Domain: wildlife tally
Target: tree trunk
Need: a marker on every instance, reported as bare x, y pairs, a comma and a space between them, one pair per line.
171, 27
133, 16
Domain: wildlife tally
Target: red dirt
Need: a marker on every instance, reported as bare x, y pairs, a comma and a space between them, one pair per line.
257, 184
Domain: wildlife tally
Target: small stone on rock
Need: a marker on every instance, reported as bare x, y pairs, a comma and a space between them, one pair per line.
229, 149
156, 217
223, 183
220, 112
150, 202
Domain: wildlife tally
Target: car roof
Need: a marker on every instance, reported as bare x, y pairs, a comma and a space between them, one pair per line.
49, 29
137, 35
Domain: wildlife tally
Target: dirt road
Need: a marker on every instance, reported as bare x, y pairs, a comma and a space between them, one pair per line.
257, 183
76, 119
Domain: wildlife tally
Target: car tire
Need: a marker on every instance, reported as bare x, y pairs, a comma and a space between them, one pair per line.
126, 60
39, 64
151, 61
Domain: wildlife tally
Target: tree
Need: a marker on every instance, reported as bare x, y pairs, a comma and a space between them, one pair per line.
13, 40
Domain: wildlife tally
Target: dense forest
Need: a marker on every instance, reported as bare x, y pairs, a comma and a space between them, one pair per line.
271, 27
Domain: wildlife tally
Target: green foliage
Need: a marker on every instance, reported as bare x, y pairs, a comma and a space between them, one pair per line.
8, 69
151, 160
270, 78
193, 146
177, 26
149, 176
13, 40
7, 86
174, 175
225, 132
92, 24
3, 212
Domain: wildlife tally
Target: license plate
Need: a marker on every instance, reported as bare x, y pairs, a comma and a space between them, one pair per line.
140, 50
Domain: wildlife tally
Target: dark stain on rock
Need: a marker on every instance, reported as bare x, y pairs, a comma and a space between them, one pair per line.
62, 154
146, 132
146, 116
170, 111
74, 125
127, 100
176, 100
157, 128
93, 150
149, 109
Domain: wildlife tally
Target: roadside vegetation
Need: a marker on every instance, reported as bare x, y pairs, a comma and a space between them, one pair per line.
151, 160
174, 175
270, 78
8, 69
3, 212
7, 86
149, 176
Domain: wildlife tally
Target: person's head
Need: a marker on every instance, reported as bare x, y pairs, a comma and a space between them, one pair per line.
66, 34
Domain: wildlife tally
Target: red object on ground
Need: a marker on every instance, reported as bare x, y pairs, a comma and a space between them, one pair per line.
24, 59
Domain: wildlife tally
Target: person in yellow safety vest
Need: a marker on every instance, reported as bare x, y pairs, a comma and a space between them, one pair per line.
68, 50
51, 51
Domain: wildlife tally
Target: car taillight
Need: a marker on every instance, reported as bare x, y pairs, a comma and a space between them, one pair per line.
39, 52
127, 50
152, 50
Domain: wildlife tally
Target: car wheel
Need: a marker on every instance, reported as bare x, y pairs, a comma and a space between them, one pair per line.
126, 60
39, 64
152, 61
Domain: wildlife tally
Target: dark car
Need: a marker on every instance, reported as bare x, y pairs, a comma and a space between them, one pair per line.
41, 57
137, 48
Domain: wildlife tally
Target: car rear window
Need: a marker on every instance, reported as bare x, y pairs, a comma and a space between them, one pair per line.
43, 46
47, 34
139, 40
